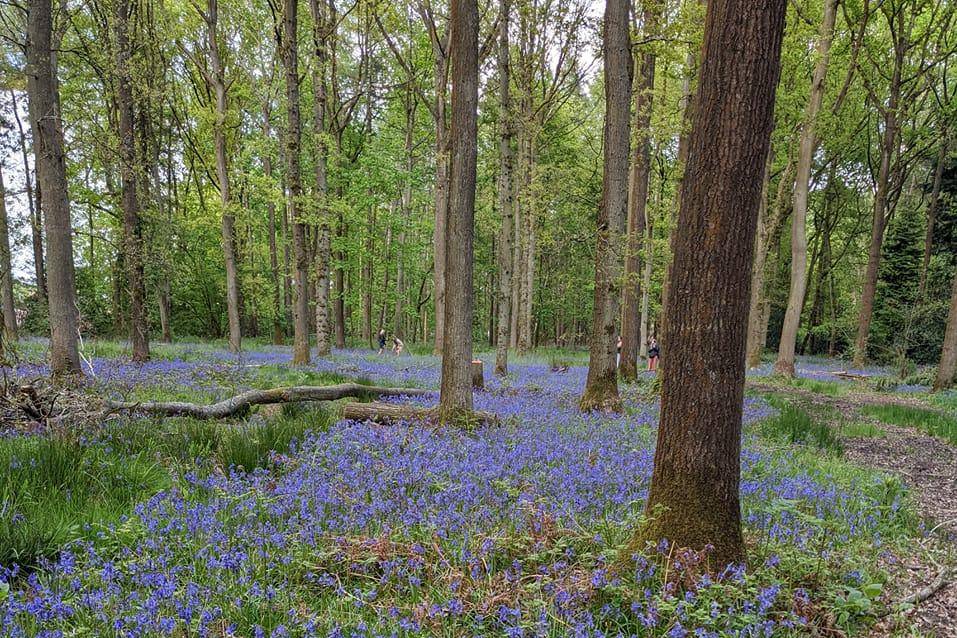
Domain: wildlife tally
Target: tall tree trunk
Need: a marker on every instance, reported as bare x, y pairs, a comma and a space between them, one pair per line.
132, 222
880, 215
802, 185
7, 306
217, 81
43, 92
948, 353
637, 201
767, 236
399, 318
33, 203
367, 274
277, 311
340, 300
505, 194
649, 254
601, 387
517, 235
320, 36
290, 58
455, 397
442, 196
693, 499
932, 212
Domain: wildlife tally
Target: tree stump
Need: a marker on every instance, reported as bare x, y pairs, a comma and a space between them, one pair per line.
478, 376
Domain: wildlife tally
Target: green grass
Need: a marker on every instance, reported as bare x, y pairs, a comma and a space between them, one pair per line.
862, 430
54, 490
930, 421
946, 400
827, 388
795, 425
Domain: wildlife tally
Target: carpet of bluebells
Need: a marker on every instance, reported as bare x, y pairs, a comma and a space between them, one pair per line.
520, 529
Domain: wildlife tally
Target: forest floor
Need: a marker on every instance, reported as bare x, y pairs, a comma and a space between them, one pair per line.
927, 463
294, 522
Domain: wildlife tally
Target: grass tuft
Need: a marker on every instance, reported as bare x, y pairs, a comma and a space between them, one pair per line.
930, 421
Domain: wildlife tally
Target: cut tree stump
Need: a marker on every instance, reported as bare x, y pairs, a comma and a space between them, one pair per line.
241, 403
478, 375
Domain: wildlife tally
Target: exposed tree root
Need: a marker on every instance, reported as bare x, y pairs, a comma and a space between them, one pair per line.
241, 403
944, 578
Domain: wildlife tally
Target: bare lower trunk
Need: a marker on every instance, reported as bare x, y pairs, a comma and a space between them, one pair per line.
769, 227
367, 275
601, 386
7, 306
637, 203
456, 390
132, 223
290, 56
948, 352
649, 254
33, 202
505, 196
51, 180
807, 146
694, 499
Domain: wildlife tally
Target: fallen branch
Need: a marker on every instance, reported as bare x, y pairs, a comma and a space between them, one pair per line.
943, 579
850, 375
241, 403
390, 413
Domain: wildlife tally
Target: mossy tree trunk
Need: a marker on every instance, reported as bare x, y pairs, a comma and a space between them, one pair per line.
694, 495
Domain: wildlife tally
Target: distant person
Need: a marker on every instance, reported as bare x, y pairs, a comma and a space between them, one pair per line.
618, 356
654, 352
381, 340
397, 346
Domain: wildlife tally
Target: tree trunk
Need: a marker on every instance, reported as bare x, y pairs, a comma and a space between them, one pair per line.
44, 98
456, 390
290, 58
802, 185
932, 212
132, 223
340, 301
320, 38
693, 499
505, 195
601, 387
7, 306
880, 215
217, 83
948, 352
649, 253
399, 317
277, 331
766, 238
33, 203
367, 275
637, 201
442, 192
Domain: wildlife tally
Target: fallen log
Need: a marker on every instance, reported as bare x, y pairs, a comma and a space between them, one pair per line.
391, 413
850, 375
241, 403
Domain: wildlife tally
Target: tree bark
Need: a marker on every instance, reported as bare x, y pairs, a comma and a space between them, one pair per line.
132, 222
601, 386
637, 201
43, 92
290, 58
808, 144
455, 399
693, 500
320, 36
505, 194
948, 353
7, 306
767, 236
33, 203
932, 212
